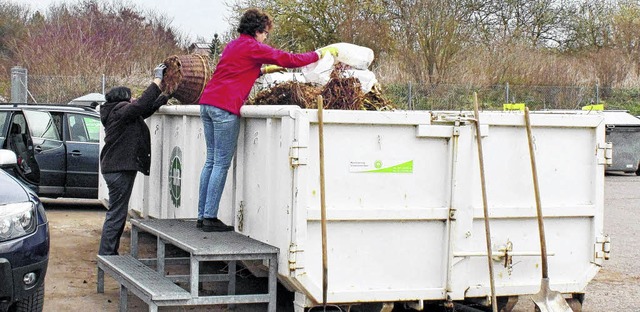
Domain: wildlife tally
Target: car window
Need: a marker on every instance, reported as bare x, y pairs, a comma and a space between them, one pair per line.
41, 125
4, 118
93, 128
84, 128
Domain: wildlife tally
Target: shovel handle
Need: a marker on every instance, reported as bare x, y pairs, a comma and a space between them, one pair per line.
534, 171
485, 205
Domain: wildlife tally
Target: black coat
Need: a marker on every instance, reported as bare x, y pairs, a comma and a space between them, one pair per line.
127, 142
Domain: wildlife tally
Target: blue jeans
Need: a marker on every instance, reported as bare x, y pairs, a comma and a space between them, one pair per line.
221, 130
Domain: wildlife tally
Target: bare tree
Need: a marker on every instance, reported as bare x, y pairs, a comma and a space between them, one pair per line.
534, 22
589, 26
13, 26
310, 24
431, 33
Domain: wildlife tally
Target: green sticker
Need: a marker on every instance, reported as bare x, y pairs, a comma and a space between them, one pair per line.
406, 167
381, 166
175, 176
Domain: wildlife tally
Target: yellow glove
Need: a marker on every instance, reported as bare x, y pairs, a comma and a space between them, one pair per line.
323, 51
272, 69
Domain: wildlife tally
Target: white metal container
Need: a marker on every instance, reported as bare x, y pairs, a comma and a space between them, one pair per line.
403, 198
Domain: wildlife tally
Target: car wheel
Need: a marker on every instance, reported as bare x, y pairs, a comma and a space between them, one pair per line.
33, 303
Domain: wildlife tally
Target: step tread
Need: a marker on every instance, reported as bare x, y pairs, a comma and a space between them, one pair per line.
158, 287
184, 234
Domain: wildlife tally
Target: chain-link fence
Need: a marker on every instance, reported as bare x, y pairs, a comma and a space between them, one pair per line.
406, 95
417, 96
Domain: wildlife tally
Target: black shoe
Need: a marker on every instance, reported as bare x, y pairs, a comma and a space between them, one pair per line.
199, 223
215, 225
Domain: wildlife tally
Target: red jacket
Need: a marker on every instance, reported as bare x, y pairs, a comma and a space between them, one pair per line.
239, 67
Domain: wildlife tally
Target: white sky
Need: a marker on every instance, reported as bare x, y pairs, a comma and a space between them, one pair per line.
192, 18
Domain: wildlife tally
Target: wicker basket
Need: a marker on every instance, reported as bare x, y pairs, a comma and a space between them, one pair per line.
186, 76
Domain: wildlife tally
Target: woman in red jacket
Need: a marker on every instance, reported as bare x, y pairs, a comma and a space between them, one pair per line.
236, 72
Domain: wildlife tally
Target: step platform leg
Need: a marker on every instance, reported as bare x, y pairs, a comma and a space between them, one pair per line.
124, 296
100, 281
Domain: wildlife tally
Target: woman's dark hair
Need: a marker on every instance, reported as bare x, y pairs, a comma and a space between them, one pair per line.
254, 21
118, 94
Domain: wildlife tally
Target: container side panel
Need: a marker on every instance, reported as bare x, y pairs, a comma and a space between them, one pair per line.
564, 159
379, 167
377, 256
569, 255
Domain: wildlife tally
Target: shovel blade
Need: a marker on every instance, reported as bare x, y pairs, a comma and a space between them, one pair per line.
547, 300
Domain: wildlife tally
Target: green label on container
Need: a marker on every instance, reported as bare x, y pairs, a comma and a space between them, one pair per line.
381, 166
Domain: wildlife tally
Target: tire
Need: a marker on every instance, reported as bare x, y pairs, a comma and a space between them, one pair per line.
33, 303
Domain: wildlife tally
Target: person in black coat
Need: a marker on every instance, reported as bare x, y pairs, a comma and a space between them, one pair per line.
126, 151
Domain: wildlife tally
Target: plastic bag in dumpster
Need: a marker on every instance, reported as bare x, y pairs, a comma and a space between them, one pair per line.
353, 55
352, 61
320, 71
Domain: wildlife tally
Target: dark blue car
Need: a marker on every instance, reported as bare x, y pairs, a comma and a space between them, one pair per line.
24, 242
57, 148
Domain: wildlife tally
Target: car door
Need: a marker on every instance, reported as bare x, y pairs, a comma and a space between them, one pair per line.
83, 148
16, 138
49, 152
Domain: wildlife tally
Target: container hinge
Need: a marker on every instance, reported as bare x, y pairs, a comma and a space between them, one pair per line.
605, 153
298, 155
293, 250
602, 247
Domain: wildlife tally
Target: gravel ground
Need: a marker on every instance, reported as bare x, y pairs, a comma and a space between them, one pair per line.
75, 232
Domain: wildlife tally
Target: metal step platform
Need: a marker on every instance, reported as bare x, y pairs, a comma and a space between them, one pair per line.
202, 247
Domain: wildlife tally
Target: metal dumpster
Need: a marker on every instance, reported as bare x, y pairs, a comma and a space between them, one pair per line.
403, 198
623, 131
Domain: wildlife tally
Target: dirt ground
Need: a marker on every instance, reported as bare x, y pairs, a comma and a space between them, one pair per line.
75, 233
70, 284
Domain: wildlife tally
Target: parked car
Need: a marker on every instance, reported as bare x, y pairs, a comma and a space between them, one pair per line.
24, 242
57, 147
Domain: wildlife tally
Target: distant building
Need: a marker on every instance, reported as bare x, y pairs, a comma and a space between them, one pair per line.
199, 48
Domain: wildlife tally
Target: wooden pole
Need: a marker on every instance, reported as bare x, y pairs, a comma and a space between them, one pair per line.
323, 209
485, 205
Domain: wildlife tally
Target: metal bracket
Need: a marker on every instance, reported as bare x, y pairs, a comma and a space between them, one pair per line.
452, 214
602, 247
417, 305
605, 153
293, 250
504, 255
298, 155
456, 128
